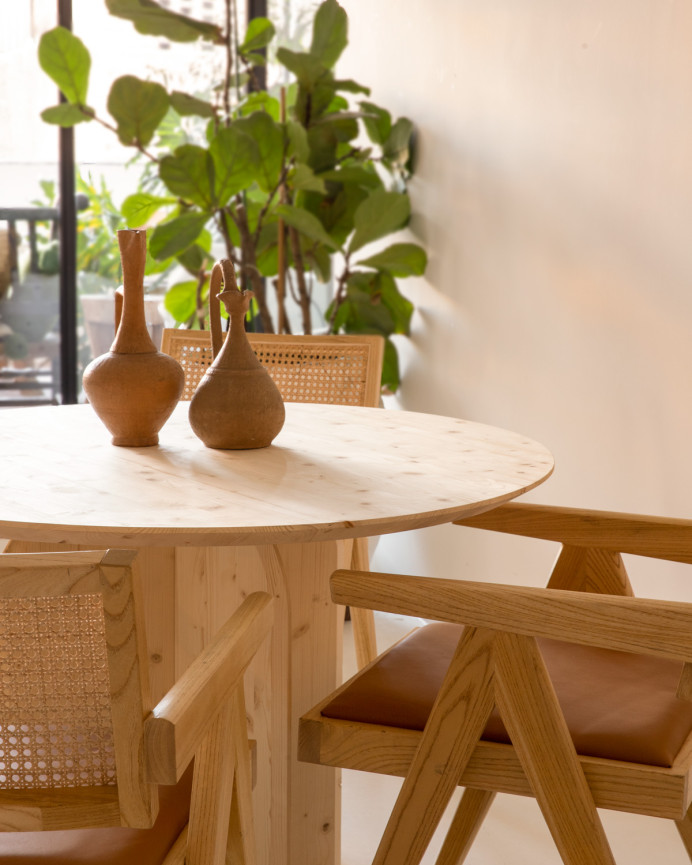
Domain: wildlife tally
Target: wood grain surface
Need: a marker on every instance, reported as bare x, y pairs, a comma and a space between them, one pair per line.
333, 472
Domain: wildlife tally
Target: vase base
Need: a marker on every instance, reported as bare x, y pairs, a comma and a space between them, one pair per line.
124, 442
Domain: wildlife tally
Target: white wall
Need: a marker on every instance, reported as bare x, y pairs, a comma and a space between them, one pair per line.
554, 195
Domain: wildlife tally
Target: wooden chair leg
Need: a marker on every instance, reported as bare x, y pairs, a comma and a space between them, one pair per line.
537, 728
212, 792
363, 620
454, 727
468, 819
684, 827
242, 847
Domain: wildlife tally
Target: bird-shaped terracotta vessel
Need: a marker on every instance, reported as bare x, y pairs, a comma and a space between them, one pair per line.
236, 404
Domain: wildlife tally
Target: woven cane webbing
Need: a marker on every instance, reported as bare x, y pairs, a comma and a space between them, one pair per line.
55, 712
341, 370
192, 350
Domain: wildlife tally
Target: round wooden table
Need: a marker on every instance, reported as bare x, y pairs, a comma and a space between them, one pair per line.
211, 526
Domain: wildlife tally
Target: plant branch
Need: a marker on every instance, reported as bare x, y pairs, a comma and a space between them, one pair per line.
201, 311
249, 271
113, 129
229, 65
267, 204
299, 267
340, 293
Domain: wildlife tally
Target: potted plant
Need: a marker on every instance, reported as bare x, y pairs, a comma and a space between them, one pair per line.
295, 187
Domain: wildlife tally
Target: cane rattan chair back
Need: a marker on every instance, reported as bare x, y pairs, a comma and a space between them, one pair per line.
343, 370
80, 745
579, 697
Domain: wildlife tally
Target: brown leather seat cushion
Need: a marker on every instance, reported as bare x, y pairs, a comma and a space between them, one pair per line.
616, 705
105, 846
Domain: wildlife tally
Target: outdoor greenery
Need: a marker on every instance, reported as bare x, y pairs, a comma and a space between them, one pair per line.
295, 185
98, 219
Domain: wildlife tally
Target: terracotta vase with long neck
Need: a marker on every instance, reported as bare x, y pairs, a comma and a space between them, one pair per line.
236, 404
133, 388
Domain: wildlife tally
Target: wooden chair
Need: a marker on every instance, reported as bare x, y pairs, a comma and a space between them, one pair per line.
80, 745
577, 694
336, 369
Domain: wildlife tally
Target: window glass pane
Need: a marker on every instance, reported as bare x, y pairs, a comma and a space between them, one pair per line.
29, 256
108, 171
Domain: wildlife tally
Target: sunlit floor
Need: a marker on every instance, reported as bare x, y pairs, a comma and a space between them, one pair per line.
513, 833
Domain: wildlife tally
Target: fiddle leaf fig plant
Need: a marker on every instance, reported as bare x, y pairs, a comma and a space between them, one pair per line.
295, 185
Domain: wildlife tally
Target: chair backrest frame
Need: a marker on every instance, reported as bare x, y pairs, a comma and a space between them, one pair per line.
127, 800
344, 369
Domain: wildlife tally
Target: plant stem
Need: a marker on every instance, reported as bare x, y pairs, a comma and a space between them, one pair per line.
249, 271
268, 202
340, 294
201, 311
229, 65
299, 267
108, 126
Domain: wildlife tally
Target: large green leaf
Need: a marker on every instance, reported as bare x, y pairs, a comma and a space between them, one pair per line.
259, 34
391, 377
344, 125
303, 177
323, 143
358, 175
236, 161
400, 259
350, 86
329, 33
65, 59
181, 300
194, 258
267, 250
306, 223
154, 267
138, 209
173, 237
232, 231
338, 103
187, 105
305, 67
321, 261
322, 97
375, 304
151, 19
337, 213
189, 174
298, 146
379, 214
260, 100
137, 107
269, 140
66, 114
396, 148
399, 307
361, 312
378, 123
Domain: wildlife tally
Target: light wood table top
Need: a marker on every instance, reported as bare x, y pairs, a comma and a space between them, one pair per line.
333, 472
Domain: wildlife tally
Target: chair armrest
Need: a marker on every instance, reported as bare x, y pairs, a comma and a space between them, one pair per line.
176, 727
656, 537
640, 625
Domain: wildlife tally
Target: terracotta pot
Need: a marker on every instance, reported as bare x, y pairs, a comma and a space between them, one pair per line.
236, 404
133, 388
